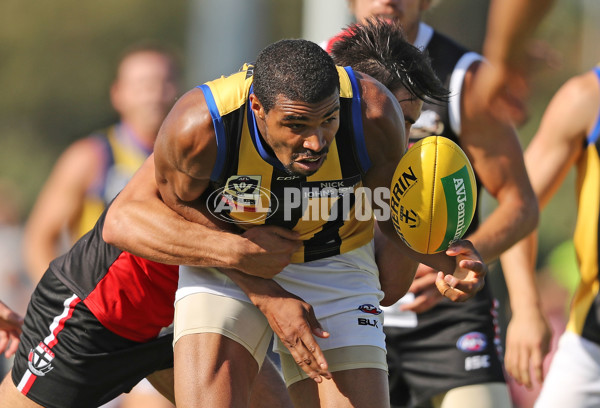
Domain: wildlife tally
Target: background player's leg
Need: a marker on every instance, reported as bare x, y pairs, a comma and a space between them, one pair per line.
360, 388
487, 395
269, 388
163, 382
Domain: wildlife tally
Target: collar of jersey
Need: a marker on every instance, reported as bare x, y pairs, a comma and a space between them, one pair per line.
263, 149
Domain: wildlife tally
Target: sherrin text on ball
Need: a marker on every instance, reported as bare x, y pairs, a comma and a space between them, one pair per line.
433, 195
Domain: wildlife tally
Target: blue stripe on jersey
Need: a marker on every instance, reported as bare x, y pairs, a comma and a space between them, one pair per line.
595, 133
219, 132
257, 140
359, 137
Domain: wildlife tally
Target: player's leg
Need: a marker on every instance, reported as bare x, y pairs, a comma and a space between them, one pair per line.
359, 379
488, 395
163, 384
219, 342
573, 379
269, 388
10, 397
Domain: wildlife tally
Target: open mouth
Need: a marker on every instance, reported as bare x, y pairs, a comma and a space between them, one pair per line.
311, 159
311, 163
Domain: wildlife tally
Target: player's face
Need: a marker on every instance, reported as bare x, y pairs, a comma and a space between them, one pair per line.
300, 133
406, 12
145, 88
411, 108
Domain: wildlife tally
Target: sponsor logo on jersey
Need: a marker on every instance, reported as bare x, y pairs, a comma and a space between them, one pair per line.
368, 322
477, 362
370, 309
39, 360
472, 342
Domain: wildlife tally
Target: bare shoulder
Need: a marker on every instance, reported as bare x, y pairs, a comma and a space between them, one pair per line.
383, 121
81, 161
186, 139
584, 87
578, 99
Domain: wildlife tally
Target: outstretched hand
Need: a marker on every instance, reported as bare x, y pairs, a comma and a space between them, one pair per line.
10, 330
468, 276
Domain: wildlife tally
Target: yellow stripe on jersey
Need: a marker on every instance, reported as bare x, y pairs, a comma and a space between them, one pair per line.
586, 238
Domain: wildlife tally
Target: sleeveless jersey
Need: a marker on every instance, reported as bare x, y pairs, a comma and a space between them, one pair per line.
584, 318
123, 155
251, 187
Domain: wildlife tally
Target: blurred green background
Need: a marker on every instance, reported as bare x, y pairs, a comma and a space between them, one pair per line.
57, 60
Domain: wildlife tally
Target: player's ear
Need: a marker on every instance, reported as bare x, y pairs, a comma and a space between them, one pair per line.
257, 107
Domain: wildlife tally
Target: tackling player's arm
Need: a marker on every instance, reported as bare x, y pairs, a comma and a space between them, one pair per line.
177, 175
385, 138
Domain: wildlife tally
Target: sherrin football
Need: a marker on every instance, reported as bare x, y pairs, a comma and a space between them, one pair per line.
433, 195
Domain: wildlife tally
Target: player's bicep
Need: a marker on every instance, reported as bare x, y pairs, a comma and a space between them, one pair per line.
185, 151
558, 143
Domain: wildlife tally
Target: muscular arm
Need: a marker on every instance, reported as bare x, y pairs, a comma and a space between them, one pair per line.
495, 153
159, 214
555, 148
59, 204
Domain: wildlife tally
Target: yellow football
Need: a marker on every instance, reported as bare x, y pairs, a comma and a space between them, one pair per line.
433, 195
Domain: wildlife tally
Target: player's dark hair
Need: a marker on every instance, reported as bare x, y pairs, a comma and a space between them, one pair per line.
379, 48
299, 70
153, 46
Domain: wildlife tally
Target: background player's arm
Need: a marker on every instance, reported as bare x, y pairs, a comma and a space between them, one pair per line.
556, 147
502, 85
59, 204
386, 143
494, 150
10, 330
497, 158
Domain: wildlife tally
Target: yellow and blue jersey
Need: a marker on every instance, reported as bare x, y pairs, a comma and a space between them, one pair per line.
123, 155
252, 188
